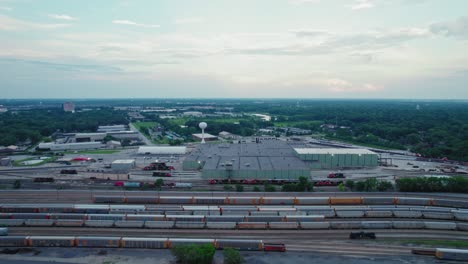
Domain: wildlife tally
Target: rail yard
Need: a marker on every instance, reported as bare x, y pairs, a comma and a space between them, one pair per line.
306, 222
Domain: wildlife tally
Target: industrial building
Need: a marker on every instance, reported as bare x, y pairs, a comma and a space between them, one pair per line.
70, 146
332, 158
267, 160
123, 165
162, 150
272, 159
114, 128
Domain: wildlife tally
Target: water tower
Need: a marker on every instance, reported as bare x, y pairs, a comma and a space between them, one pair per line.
202, 126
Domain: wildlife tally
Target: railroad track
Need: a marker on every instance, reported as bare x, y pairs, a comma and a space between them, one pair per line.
80, 196
327, 242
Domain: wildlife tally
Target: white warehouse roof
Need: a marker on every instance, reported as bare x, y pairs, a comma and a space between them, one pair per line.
332, 151
162, 150
126, 161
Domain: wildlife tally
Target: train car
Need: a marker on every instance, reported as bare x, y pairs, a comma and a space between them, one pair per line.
124, 208
51, 241
209, 200
29, 216
245, 200
142, 200
91, 208
104, 242
250, 245
173, 242
55, 208
145, 217
20, 208
278, 200
148, 242
185, 218
176, 199
345, 200
274, 247
252, 225
13, 241
3, 231
68, 216
109, 199
114, 217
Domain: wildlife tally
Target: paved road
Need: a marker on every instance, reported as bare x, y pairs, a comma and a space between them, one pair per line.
145, 139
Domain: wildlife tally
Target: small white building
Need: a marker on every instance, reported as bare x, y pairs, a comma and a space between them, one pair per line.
112, 144
123, 165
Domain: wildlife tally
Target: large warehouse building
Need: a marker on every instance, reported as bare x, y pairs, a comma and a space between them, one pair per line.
267, 160
272, 160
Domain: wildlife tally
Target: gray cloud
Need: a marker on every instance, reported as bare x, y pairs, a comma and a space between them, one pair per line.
456, 28
63, 66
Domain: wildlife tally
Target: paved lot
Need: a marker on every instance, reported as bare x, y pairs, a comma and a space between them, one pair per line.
125, 256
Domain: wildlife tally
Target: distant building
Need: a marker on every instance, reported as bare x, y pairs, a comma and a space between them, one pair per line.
193, 113
69, 107
114, 128
70, 146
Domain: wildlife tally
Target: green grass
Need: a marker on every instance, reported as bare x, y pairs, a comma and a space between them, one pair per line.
359, 143
140, 125
97, 151
296, 123
433, 243
17, 163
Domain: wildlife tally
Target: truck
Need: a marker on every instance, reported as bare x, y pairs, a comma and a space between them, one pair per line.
336, 176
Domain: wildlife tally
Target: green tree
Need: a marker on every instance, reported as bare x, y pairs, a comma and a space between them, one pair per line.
341, 187
256, 189
239, 188
384, 185
194, 254
349, 184
232, 256
269, 188
159, 183
228, 188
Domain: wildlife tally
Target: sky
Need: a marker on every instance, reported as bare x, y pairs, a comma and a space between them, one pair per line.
402, 49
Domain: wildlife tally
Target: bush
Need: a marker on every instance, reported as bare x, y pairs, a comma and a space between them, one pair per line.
455, 184
303, 185
194, 254
228, 188
384, 186
269, 188
239, 188
341, 187
349, 184
232, 256
256, 189
159, 183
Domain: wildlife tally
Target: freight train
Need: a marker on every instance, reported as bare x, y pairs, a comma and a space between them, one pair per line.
134, 242
287, 200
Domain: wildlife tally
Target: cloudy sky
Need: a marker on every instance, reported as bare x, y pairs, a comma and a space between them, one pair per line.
234, 48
